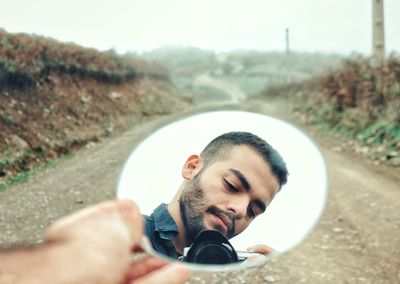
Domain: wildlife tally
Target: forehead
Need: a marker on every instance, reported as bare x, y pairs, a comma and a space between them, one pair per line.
243, 156
253, 167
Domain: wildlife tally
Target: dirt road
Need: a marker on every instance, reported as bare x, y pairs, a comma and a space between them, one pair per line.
356, 241
233, 91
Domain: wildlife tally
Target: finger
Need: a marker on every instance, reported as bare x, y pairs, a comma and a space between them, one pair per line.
88, 212
133, 219
137, 249
127, 210
142, 267
61, 228
174, 273
263, 249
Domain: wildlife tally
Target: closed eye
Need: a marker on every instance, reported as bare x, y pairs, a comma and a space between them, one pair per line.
250, 212
230, 187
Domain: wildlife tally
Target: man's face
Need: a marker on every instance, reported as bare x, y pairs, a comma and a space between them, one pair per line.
228, 194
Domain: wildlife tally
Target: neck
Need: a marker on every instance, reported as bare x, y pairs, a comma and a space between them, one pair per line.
180, 241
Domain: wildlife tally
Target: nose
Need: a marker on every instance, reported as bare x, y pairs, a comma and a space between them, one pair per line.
238, 207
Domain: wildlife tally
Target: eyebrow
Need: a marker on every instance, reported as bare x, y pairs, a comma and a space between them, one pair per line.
242, 179
247, 187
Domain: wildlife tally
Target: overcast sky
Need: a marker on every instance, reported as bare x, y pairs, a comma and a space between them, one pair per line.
338, 26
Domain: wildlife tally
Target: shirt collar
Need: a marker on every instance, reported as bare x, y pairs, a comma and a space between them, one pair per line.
164, 224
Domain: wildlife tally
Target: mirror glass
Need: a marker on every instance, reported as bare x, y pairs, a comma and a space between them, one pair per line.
153, 173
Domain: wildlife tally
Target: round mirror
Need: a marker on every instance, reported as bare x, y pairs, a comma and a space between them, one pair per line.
157, 167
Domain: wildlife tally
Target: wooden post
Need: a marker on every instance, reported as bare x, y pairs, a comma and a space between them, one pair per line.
287, 62
287, 42
378, 33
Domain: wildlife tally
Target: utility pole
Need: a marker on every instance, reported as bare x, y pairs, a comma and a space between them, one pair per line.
287, 62
287, 42
378, 33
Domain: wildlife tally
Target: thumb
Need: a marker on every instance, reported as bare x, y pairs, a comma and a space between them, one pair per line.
175, 273
262, 249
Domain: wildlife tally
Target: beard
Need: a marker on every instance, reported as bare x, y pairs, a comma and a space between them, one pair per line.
194, 204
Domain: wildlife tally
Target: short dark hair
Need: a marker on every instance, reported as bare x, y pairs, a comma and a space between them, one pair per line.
221, 144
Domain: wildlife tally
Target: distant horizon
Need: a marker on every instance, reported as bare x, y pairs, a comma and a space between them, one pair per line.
176, 46
323, 26
172, 46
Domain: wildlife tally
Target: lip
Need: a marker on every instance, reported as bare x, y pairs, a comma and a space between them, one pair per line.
223, 220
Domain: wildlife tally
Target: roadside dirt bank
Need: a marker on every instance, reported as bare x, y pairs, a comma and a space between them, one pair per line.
64, 113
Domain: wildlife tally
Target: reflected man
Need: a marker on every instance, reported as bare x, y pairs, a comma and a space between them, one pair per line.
224, 188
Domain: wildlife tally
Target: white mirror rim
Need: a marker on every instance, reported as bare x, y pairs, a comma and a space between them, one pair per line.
152, 173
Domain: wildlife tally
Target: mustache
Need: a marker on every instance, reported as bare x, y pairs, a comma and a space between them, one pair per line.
229, 216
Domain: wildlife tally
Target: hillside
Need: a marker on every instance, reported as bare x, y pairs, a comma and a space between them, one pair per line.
56, 97
355, 101
251, 70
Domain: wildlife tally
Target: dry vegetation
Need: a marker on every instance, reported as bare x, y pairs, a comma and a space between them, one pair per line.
57, 97
356, 100
26, 60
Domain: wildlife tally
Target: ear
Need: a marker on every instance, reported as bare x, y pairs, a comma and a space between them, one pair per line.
192, 166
